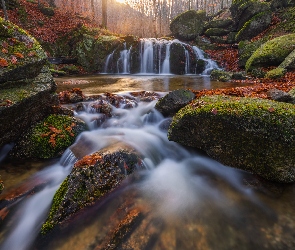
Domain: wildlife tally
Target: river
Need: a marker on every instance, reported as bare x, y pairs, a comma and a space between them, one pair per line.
182, 200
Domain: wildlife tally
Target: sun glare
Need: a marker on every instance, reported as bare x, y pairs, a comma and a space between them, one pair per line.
121, 1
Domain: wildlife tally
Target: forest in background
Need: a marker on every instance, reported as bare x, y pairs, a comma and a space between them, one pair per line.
143, 18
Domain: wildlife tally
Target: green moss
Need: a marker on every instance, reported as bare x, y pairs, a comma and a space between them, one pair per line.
275, 73
216, 32
220, 75
272, 52
57, 201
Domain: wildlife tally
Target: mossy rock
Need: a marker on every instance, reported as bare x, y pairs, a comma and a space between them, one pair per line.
21, 55
174, 101
244, 10
25, 102
254, 26
177, 54
188, 25
47, 11
246, 49
48, 138
220, 75
219, 23
276, 73
91, 178
216, 32
271, 53
289, 62
252, 134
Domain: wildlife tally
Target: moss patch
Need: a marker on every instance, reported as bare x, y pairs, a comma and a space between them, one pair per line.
253, 134
272, 52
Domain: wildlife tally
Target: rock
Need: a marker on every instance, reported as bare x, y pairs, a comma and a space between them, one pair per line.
279, 95
220, 75
254, 26
19, 100
21, 56
188, 25
276, 73
271, 53
1, 185
244, 10
246, 49
289, 62
174, 101
216, 32
91, 178
48, 138
252, 134
219, 23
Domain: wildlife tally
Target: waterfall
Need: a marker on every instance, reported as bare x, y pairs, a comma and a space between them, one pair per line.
166, 62
155, 57
210, 64
108, 60
147, 56
123, 63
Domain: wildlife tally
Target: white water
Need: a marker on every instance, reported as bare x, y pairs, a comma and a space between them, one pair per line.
156, 60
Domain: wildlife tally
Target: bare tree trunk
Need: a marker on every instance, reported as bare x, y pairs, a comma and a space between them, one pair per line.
104, 8
4, 10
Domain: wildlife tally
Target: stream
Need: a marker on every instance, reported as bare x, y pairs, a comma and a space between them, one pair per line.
181, 200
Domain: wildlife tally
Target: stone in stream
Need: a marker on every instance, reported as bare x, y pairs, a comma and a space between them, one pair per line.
252, 134
91, 178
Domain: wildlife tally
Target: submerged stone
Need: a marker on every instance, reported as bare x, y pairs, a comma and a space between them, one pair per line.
252, 134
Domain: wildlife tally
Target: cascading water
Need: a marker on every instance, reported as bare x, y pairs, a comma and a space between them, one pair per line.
156, 57
179, 185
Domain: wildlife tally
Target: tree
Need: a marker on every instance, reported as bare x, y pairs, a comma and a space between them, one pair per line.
4, 10
104, 7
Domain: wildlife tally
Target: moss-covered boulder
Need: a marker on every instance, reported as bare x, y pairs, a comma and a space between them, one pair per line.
272, 53
174, 101
254, 26
246, 49
289, 62
276, 73
216, 32
188, 25
48, 138
25, 102
21, 56
244, 10
91, 178
252, 134
220, 75
219, 23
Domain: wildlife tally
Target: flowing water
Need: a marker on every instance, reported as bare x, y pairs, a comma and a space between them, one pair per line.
182, 200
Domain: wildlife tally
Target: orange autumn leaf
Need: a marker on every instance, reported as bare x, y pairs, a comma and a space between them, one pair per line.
5, 51
3, 62
19, 55
55, 130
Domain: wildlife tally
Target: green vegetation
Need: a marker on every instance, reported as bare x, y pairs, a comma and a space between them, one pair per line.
272, 52
276, 73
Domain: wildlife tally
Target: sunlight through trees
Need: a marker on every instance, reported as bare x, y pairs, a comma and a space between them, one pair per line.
144, 18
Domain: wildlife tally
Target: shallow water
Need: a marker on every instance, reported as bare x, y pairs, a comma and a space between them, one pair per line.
182, 200
97, 84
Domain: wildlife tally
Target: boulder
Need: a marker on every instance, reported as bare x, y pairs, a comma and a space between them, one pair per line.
219, 23
271, 53
252, 134
289, 62
220, 75
244, 10
188, 25
279, 95
48, 138
254, 26
174, 101
19, 100
21, 55
216, 32
276, 73
91, 178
